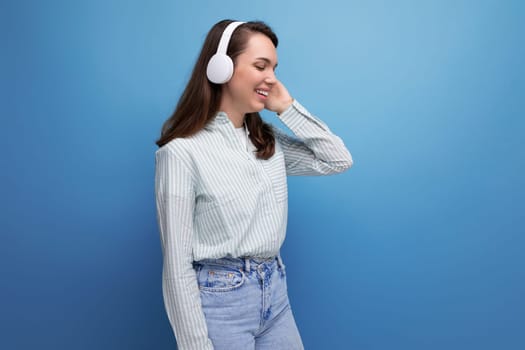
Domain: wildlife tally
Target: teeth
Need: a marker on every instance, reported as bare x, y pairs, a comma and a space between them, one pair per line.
265, 93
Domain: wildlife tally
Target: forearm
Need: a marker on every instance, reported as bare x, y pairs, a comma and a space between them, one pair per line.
183, 306
317, 147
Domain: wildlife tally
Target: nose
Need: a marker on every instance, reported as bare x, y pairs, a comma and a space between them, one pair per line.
270, 77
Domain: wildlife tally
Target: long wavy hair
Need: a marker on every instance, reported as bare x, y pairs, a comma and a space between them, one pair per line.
200, 101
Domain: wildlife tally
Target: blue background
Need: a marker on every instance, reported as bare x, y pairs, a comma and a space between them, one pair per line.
418, 246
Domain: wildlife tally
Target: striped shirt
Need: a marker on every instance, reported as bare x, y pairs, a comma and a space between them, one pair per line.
216, 199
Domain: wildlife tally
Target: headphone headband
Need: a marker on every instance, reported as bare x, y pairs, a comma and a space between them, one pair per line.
226, 35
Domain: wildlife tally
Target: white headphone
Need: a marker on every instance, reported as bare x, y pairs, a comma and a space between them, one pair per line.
220, 66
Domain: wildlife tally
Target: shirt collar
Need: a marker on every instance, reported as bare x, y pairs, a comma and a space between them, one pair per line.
219, 120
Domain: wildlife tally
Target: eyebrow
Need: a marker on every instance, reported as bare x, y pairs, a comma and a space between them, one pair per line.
267, 61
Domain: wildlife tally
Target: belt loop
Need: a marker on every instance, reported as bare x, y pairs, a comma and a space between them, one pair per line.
247, 264
280, 261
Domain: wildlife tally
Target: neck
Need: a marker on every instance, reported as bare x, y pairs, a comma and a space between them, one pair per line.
237, 119
227, 106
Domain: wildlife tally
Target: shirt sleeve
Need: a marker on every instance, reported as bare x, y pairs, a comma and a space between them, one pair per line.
175, 199
315, 150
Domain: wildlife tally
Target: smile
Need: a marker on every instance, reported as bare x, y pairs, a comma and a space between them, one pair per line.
262, 92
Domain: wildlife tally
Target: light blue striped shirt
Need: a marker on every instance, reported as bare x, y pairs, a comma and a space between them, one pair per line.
215, 199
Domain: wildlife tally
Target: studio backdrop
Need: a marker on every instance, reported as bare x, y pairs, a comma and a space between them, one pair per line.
418, 246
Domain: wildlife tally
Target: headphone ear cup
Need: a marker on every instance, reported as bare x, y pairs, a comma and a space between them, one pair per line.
220, 68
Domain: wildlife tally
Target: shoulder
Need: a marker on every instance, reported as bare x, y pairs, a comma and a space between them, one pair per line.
187, 149
176, 147
178, 150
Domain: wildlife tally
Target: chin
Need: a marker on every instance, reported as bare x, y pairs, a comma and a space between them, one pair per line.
257, 108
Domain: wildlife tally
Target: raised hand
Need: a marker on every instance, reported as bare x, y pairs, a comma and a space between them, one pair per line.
278, 98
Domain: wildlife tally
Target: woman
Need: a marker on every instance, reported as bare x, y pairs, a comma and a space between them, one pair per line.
222, 197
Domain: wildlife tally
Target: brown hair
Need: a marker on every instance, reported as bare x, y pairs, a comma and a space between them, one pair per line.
200, 101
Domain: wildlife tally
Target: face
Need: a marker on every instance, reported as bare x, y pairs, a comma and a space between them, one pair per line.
253, 76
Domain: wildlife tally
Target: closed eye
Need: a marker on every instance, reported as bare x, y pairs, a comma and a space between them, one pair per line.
265, 61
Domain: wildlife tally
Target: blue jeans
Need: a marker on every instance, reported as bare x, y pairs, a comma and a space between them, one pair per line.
245, 302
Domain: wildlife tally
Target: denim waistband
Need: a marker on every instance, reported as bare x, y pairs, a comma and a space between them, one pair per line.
245, 262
